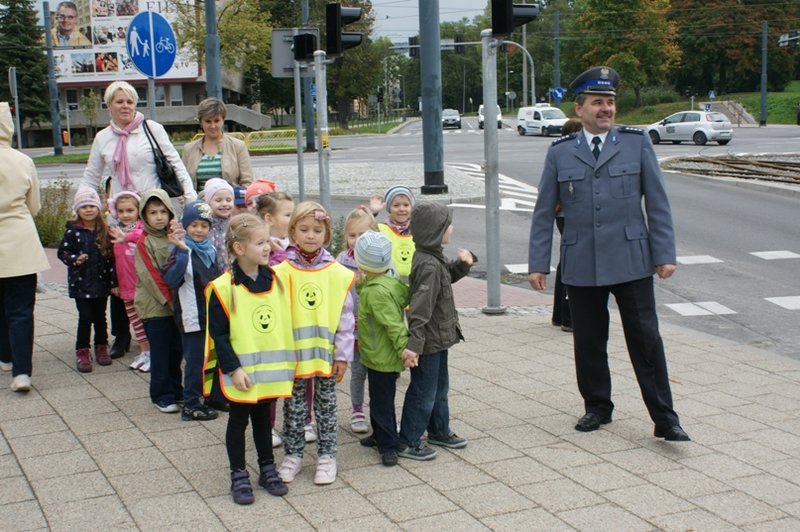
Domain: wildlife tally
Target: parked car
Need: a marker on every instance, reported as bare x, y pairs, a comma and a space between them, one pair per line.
696, 126
480, 118
451, 118
541, 120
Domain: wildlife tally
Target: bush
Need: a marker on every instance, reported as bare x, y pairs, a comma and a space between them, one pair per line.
56, 209
338, 242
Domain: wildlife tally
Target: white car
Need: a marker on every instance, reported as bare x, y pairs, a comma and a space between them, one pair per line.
480, 118
696, 126
540, 120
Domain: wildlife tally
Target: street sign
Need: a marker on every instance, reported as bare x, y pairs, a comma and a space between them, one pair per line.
712, 95
151, 44
708, 107
313, 90
558, 93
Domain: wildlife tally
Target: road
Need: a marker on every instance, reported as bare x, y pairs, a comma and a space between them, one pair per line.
721, 286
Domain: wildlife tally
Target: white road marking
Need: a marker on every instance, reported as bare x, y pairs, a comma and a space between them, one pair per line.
787, 302
700, 308
774, 255
697, 259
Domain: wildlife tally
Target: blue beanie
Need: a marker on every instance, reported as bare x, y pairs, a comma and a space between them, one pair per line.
196, 210
373, 252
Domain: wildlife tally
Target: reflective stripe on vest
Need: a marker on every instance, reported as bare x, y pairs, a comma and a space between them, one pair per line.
402, 251
317, 300
261, 337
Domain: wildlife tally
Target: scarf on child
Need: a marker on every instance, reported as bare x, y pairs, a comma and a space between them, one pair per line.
121, 169
400, 229
205, 250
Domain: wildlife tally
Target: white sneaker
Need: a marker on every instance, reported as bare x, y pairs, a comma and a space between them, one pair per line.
143, 357
310, 435
290, 467
6, 366
358, 423
326, 470
145, 367
277, 441
168, 408
21, 383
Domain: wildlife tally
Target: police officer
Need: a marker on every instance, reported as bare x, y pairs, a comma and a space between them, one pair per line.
599, 176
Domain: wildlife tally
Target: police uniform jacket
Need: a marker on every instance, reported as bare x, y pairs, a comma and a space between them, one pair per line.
607, 239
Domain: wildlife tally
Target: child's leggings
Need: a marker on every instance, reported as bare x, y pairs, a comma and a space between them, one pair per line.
295, 410
238, 417
136, 323
91, 312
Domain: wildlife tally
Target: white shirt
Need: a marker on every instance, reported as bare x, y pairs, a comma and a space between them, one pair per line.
590, 136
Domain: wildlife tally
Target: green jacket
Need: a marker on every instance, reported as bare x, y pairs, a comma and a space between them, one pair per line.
382, 333
153, 297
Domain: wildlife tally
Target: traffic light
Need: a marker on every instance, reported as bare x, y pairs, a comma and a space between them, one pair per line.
413, 51
337, 16
459, 47
303, 46
506, 16
380, 94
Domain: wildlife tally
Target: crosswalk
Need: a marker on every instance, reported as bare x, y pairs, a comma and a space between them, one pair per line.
514, 195
462, 131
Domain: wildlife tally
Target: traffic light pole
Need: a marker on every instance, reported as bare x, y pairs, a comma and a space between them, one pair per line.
298, 126
489, 48
431, 78
320, 70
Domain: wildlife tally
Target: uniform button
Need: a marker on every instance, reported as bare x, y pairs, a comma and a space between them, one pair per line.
596, 192
597, 208
597, 224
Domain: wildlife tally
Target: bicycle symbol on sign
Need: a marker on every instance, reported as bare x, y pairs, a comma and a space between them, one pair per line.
165, 45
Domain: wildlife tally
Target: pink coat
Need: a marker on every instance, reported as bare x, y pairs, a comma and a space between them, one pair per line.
124, 254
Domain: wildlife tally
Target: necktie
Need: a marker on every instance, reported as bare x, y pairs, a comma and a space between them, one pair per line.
596, 150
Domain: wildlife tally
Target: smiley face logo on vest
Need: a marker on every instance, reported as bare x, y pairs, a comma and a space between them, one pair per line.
405, 252
310, 296
264, 319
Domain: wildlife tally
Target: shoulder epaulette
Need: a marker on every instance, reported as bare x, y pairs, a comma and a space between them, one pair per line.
559, 140
628, 129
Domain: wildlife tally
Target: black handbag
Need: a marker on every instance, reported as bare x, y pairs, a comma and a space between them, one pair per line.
165, 172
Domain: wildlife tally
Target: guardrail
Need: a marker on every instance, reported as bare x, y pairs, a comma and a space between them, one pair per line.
273, 140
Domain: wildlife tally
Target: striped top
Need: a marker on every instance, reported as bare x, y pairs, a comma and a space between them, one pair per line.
209, 166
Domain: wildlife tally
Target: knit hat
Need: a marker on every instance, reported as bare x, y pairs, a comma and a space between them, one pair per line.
259, 187
196, 210
239, 196
373, 252
398, 190
112, 203
214, 185
85, 196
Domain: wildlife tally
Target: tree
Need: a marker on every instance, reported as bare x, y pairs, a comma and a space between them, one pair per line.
21, 47
90, 105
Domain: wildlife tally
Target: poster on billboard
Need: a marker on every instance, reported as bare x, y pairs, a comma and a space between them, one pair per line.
89, 41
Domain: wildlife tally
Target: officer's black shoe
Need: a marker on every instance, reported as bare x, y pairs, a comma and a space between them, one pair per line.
121, 345
591, 421
675, 433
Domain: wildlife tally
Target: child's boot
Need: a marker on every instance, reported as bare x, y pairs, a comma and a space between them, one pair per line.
241, 490
84, 360
270, 481
101, 355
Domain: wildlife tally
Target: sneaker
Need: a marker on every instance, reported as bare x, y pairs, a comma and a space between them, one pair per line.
198, 413
241, 489
140, 359
219, 406
389, 458
369, 441
6, 366
101, 355
326, 470
168, 408
145, 367
21, 383
290, 467
277, 441
83, 361
358, 423
421, 452
310, 435
451, 441
270, 481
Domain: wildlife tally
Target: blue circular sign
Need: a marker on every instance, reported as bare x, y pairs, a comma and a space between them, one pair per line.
151, 44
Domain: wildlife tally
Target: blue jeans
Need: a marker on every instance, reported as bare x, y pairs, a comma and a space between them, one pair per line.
426, 405
17, 296
166, 356
194, 356
382, 387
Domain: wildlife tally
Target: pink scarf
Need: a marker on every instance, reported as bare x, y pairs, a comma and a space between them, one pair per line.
121, 169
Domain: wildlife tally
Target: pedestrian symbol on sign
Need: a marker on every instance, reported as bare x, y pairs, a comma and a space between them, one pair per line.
151, 44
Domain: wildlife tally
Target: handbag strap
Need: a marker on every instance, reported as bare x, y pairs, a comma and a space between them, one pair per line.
154, 145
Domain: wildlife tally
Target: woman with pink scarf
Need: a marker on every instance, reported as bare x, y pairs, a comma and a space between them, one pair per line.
122, 150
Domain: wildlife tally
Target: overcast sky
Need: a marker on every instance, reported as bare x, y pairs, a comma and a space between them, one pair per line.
399, 19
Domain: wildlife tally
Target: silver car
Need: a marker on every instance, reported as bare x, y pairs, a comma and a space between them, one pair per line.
696, 126
451, 118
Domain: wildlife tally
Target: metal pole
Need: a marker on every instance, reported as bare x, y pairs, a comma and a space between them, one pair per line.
309, 108
55, 117
69, 129
533, 73
489, 46
431, 78
762, 121
213, 67
151, 80
298, 126
322, 128
556, 52
525, 68
12, 83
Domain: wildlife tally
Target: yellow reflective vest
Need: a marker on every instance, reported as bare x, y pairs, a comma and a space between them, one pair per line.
261, 336
402, 251
318, 297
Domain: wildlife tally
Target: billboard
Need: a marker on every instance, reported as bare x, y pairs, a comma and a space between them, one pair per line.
89, 41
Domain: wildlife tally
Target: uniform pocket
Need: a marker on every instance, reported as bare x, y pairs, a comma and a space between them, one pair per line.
638, 247
623, 179
571, 184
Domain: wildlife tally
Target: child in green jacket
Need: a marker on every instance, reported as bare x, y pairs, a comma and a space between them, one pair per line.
382, 338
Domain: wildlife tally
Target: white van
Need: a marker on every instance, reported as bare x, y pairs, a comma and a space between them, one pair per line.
540, 120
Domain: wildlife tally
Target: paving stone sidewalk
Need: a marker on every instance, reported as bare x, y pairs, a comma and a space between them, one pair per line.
90, 452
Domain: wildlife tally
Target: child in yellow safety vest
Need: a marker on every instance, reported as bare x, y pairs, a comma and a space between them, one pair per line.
323, 321
399, 202
250, 347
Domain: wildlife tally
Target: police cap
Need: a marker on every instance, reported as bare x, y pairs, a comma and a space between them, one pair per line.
596, 80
